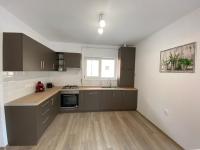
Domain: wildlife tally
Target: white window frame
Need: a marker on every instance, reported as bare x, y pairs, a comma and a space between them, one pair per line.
99, 77
85, 67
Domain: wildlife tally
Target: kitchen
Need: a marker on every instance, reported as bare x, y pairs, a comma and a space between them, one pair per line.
67, 89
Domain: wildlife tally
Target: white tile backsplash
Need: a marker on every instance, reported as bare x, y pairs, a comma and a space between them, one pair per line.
99, 82
74, 77
71, 77
21, 84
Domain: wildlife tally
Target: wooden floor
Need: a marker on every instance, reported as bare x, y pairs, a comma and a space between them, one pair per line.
124, 130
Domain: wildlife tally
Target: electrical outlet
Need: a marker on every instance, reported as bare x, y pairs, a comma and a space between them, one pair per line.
166, 112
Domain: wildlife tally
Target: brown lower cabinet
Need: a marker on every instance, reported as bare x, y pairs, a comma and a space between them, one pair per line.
99, 100
25, 124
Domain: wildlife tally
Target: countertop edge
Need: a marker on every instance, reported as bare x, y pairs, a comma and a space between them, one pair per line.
11, 103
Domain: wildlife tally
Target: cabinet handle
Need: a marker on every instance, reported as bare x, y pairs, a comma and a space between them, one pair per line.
40, 64
92, 93
44, 122
52, 101
43, 114
45, 104
43, 64
53, 67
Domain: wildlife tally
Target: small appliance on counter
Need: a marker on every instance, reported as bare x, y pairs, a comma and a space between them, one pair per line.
39, 87
49, 85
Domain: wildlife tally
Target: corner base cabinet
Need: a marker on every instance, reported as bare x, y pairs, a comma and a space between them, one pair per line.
25, 124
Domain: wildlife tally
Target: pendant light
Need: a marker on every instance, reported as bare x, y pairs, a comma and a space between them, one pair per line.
102, 24
100, 30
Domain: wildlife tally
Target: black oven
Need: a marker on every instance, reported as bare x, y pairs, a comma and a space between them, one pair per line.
69, 100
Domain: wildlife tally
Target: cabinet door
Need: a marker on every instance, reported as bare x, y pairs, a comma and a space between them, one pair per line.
12, 52
127, 67
129, 101
91, 100
72, 60
117, 98
111, 100
126, 78
37, 57
49, 59
107, 100
32, 54
127, 57
21, 125
53, 61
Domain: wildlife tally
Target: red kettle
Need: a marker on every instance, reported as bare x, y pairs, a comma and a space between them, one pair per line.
40, 87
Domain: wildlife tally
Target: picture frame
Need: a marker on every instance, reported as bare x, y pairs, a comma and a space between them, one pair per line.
179, 59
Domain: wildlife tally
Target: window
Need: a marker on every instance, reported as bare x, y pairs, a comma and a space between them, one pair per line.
92, 68
107, 68
100, 68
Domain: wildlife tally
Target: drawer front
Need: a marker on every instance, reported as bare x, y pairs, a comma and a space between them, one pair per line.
44, 115
47, 112
52, 102
43, 124
44, 107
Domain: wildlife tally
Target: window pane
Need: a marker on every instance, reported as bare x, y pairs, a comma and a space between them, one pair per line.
107, 68
92, 68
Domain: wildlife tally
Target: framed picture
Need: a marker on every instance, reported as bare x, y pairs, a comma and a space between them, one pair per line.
179, 59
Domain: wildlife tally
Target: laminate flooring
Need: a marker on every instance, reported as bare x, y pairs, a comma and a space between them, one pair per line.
115, 130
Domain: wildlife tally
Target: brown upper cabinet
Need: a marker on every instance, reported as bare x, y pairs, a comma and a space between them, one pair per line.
68, 60
22, 53
126, 74
72, 60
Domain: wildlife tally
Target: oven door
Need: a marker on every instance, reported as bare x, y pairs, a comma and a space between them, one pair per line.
69, 100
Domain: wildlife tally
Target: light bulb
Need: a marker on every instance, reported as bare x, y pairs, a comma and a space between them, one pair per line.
102, 23
100, 30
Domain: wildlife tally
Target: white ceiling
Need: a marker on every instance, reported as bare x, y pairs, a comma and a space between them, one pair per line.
128, 21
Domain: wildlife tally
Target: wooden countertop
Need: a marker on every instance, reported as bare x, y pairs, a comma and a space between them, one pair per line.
105, 88
35, 98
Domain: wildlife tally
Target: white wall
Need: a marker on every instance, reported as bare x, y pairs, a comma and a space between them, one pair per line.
22, 83
177, 92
